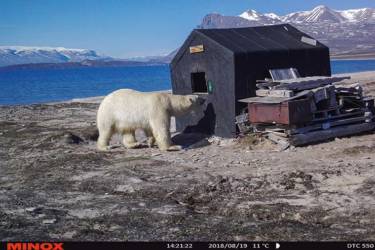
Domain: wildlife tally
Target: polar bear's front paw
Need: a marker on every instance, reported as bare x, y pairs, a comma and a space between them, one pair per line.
174, 148
102, 148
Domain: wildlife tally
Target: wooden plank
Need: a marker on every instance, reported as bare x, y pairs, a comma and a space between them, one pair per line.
281, 134
242, 118
331, 79
305, 83
321, 93
283, 142
274, 93
355, 89
322, 135
275, 100
266, 85
267, 99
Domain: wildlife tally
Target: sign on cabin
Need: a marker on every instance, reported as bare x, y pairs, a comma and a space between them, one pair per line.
196, 49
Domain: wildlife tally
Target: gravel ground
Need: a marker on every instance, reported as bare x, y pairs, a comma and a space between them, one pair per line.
54, 185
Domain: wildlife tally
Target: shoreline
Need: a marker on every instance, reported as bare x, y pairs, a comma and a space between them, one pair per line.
98, 99
353, 56
364, 75
352, 59
358, 76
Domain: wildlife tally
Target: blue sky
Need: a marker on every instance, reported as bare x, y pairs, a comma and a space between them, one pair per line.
124, 28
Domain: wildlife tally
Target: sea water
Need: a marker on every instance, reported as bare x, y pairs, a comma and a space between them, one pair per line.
27, 86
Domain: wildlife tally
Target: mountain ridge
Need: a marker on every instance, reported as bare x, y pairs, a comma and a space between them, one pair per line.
13, 55
318, 14
344, 31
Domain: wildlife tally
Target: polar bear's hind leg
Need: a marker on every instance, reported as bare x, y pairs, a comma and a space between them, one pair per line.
151, 138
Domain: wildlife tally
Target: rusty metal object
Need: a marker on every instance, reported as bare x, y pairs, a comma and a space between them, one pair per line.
288, 112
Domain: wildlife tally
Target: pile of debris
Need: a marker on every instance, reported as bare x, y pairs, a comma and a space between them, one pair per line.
306, 110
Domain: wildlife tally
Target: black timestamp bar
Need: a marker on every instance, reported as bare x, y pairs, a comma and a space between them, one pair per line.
282, 245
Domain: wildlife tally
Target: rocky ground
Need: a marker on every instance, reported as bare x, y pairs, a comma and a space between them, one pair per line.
54, 185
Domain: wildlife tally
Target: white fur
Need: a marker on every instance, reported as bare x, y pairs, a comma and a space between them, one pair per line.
125, 110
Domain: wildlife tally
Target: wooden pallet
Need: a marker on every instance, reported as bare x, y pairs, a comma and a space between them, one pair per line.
322, 135
333, 123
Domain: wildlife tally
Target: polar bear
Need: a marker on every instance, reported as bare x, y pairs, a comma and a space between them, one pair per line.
125, 110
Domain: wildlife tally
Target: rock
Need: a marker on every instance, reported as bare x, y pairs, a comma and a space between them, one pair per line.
134, 180
71, 138
174, 229
364, 221
49, 221
69, 235
31, 209
90, 134
125, 189
337, 226
258, 238
169, 210
114, 228
240, 238
85, 213
297, 217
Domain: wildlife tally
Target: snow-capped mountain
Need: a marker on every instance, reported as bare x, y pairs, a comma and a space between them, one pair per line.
11, 55
320, 13
256, 16
359, 15
324, 14
344, 31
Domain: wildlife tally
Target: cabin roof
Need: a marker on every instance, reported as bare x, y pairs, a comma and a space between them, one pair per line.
263, 38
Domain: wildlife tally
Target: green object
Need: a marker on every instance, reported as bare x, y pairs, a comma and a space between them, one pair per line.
210, 86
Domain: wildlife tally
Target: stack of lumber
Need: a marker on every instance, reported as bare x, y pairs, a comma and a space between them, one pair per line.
308, 110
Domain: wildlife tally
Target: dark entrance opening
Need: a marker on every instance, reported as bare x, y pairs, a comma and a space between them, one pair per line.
198, 82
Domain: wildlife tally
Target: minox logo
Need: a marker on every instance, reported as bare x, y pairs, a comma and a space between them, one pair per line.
35, 246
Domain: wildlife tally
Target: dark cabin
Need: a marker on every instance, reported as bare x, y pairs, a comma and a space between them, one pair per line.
223, 65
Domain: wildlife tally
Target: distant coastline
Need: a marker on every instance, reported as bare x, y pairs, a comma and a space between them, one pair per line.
362, 56
129, 63
83, 64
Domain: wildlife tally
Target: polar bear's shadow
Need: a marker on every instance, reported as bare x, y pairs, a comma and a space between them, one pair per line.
186, 140
190, 140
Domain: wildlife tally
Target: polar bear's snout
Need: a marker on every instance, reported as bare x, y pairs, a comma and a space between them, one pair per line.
201, 100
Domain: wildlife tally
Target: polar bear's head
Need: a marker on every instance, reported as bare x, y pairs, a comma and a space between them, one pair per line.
182, 104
